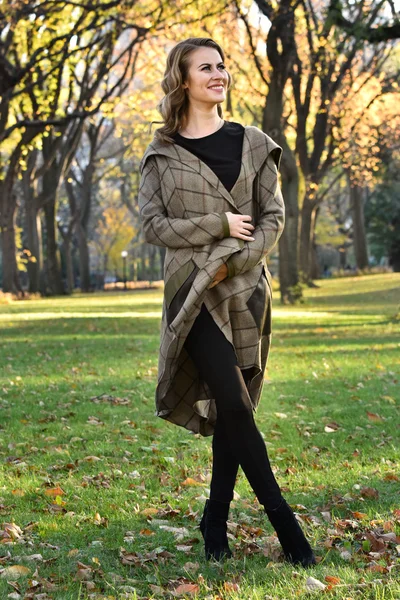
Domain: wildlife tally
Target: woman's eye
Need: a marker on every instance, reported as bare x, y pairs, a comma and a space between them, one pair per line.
219, 66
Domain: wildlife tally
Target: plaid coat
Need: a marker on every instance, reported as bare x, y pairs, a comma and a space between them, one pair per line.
182, 206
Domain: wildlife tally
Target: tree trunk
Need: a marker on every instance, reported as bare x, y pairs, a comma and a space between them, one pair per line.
281, 54
34, 244
394, 248
306, 237
54, 278
315, 268
288, 243
11, 281
69, 265
84, 270
359, 237
8, 217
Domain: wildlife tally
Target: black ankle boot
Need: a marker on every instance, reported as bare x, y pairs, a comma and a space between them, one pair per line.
296, 548
213, 528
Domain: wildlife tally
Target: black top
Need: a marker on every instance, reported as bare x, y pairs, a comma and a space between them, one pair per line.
221, 151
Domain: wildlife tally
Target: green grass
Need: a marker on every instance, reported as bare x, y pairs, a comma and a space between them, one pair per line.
335, 360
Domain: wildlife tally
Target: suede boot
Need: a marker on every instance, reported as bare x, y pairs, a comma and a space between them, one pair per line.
213, 528
296, 548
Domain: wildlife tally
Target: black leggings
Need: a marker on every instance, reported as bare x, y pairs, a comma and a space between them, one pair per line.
237, 440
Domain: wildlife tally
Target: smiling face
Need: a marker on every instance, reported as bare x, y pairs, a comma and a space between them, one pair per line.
207, 79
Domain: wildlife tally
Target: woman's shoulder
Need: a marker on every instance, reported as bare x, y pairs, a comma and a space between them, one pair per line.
260, 139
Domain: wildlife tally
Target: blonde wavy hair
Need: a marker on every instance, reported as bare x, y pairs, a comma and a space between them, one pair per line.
175, 104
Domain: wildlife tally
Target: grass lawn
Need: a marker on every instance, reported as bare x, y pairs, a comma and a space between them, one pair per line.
100, 499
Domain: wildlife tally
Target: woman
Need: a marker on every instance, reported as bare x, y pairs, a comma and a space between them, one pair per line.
202, 181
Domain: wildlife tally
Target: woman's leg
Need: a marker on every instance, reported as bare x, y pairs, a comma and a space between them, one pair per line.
225, 467
216, 361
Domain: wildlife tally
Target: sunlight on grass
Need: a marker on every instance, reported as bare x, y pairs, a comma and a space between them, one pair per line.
80, 315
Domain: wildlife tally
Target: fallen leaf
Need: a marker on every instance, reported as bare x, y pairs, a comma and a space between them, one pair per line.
368, 492
146, 532
98, 520
374, 417
53, 492
230, 586
314, 585
378, 569
391, 477
15, 572
149, 511
186, 588
332, 580
191, 481
359, 515
94, 421
331, 427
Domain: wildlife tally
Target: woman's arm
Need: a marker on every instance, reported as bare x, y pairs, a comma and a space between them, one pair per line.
161, 230
270, 224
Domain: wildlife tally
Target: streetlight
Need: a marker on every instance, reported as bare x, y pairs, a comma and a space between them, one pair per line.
124, 254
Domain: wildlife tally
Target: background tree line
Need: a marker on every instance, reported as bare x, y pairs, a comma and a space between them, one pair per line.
79, 82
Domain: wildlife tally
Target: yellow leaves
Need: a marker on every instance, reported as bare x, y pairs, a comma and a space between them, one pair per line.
15, 572
388, 399
115, 232
99, 520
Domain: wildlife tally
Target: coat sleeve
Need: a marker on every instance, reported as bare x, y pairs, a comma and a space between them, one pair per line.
161, 230
270, 224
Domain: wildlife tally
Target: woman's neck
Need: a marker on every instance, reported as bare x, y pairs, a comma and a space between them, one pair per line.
200, 125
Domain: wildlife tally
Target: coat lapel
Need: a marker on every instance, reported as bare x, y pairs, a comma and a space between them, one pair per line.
256, 147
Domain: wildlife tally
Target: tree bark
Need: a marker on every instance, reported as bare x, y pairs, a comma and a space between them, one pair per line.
281, 54
359, 237
308, 212
69, 265
54, 278
8, 215
288, 243
84, 270
33, 225
315, 268
34, 244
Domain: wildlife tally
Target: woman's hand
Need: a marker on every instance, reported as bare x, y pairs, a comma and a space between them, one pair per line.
239, 226
219, 275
